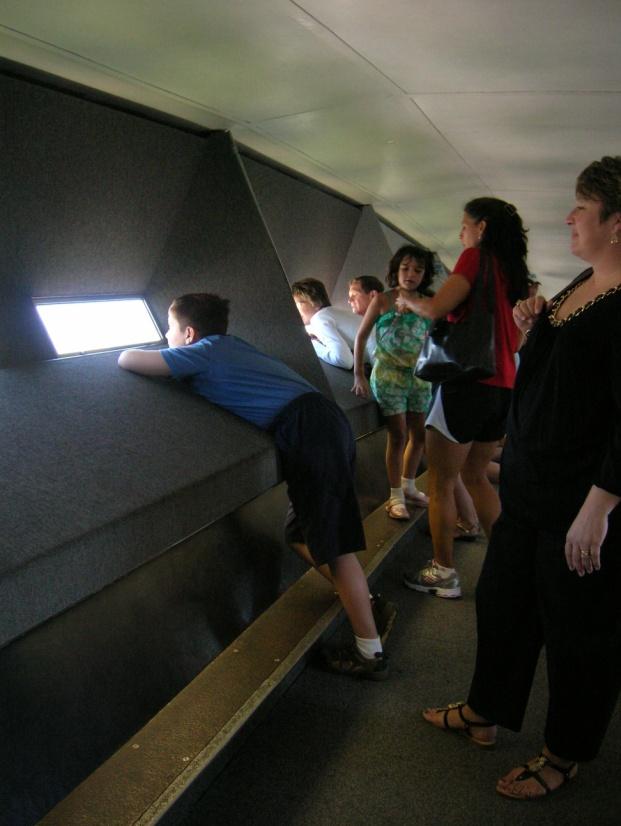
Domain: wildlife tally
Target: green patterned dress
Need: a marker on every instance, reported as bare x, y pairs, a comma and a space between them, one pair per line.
399, 339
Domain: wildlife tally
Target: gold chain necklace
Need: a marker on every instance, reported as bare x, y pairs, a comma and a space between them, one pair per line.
558, 322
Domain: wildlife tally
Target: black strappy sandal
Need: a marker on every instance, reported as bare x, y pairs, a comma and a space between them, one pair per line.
533, 769
469, 725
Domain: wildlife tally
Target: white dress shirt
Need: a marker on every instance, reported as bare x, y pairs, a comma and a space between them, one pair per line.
335, 332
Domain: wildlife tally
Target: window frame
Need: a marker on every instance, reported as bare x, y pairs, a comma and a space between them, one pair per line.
92, 299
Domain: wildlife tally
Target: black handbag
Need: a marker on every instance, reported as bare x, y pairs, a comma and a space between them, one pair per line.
463, 350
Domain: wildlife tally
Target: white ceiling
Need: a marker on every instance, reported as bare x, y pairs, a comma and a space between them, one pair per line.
412, 106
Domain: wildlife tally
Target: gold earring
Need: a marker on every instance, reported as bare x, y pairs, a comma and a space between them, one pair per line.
614, 239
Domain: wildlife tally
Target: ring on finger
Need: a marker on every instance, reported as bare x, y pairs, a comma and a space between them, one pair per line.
585, 554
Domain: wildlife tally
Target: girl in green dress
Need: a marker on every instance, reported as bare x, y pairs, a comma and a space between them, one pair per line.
403, 398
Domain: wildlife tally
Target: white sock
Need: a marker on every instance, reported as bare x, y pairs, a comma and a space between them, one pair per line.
397, 495
444, 570
368, 648
409, 485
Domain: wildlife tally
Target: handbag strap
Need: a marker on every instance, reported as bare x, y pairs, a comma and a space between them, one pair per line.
483, 285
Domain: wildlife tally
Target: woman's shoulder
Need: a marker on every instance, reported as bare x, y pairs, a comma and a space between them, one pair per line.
469, 255
467, 264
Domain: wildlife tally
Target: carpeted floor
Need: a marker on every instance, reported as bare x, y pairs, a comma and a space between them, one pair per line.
340, 752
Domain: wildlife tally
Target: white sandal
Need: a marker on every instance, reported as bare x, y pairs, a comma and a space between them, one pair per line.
396, 509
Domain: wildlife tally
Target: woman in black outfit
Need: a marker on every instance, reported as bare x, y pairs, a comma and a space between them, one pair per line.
552, 574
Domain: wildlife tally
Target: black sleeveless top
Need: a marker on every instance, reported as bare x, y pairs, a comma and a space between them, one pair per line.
564, 427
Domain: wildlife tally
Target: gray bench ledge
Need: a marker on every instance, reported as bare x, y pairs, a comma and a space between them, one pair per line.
181, 749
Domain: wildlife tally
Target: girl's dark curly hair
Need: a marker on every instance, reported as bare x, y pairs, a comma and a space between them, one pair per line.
420, 255
504, 237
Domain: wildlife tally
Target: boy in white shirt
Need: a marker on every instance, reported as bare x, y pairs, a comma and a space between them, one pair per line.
332, 330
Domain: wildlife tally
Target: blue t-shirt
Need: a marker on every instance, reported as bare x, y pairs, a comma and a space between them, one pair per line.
235, 375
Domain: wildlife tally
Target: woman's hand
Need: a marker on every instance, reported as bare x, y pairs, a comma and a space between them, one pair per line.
361, 387
588, 531
526, 312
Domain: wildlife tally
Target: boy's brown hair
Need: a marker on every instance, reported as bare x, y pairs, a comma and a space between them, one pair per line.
207, 313
313, 290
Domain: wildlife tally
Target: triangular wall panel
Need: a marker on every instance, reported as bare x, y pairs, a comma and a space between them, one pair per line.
368, 254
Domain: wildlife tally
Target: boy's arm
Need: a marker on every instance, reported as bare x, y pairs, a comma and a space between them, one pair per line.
145, 362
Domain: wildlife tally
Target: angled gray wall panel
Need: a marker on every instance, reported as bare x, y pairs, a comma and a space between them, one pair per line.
311, 229
92, 191
368, 255
394, 239
219, 243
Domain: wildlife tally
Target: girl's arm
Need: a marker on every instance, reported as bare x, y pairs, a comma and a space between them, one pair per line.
451, 294
375, 309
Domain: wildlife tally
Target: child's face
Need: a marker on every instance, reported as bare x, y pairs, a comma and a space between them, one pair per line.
410, 274
306, 309
175, 336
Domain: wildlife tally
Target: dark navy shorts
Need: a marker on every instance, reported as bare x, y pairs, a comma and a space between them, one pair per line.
469, 411
317, 452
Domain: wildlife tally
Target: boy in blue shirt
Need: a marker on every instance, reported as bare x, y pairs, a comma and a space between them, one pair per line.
315, 444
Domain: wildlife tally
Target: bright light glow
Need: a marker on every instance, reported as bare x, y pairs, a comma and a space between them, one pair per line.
86, 326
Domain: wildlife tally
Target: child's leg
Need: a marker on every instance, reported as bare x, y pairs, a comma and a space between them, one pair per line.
418, 401
466, 512
383, 611
395, 447
303, 552
483, 493
353, 590
445, 460
415, 423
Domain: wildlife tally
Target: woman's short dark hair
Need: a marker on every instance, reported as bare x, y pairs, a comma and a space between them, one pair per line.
313, 290
207, 313
601, 181
504, 237
421, 256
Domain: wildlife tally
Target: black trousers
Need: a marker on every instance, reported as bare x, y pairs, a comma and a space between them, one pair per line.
317, 452
526, 599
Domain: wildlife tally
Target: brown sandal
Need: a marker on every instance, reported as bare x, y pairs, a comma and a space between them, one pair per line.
533, 769
465, 534
468, 724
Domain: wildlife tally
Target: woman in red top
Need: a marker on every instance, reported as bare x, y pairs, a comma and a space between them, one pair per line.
466, 420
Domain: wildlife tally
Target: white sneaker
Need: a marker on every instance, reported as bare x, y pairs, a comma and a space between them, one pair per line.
430, 580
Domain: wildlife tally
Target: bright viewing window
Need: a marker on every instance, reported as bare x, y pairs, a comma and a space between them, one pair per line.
102, 324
